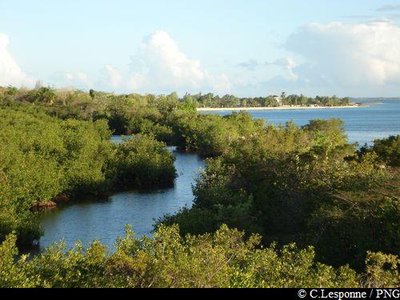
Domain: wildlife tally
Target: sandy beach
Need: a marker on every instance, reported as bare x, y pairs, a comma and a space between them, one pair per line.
276, 108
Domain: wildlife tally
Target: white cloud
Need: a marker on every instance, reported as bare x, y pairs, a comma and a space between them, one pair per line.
10, 72
288, 64
389, 7
159, 66
356, 58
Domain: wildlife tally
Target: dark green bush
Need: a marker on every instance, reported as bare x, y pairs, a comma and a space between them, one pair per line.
142, 162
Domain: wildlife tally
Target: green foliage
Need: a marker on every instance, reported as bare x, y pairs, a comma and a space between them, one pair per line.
382, 270
212, 135
167, 117
44, 95
287, 184
74, 268
210, 100
142, 162
43, 158
87, 151
350, 223
388, 150
13, 272
222, 259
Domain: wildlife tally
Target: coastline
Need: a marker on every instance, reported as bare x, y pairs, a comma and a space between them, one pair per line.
275, 108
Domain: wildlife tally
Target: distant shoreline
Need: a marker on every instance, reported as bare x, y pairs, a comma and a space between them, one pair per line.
277, 108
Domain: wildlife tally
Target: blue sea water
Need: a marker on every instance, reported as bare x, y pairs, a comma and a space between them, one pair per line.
362, 124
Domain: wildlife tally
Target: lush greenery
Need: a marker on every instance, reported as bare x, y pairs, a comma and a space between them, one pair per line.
222, 259
142, 162
286, 184
306, 185
44, 160
133, 113
388, 150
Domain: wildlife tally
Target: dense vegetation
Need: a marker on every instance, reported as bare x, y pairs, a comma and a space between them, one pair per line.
142, 162
306, 185
45, 160
210, 100
287, 184
222, 259
388, 150
51, 97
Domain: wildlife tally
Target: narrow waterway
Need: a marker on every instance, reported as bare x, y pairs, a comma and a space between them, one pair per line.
105, 220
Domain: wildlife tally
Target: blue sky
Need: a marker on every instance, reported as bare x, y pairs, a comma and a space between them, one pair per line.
244, 47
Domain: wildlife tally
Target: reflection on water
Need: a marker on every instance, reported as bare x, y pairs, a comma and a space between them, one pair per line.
105, 220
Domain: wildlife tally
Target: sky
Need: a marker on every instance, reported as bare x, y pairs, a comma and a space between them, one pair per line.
240, 47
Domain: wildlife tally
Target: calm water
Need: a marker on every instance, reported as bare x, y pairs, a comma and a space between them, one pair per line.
105, 220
